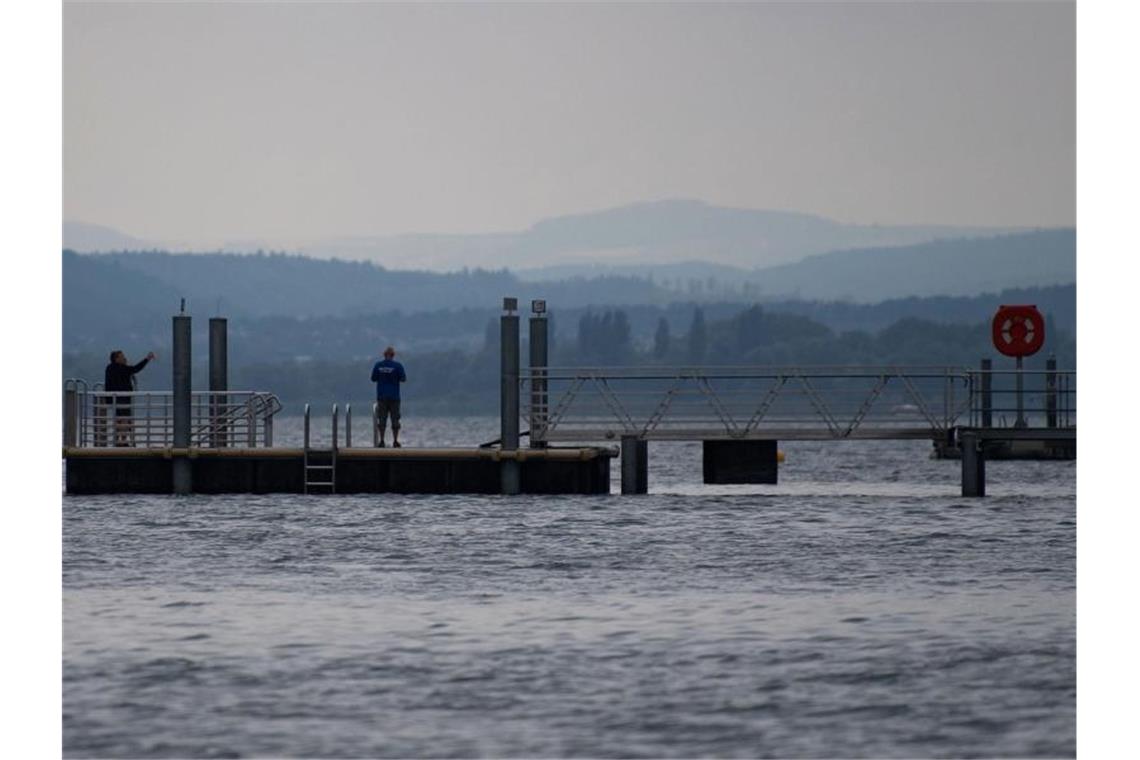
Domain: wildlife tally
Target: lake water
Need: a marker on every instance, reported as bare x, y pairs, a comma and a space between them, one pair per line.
860, 608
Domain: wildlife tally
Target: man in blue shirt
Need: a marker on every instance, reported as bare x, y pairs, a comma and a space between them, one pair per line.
388, 374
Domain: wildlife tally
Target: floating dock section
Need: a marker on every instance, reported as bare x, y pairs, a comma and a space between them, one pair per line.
348, 470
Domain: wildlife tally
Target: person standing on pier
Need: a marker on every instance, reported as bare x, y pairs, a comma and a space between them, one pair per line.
388, 374
119, 378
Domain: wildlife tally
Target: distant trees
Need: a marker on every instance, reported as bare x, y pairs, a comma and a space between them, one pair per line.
661, 339
604, 338
698, 337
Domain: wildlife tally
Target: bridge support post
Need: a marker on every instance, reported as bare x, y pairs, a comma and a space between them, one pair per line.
181, 469
973, 465
634, 465
219, 382
510, 477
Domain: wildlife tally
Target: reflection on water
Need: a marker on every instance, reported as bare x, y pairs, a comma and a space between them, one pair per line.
858, 608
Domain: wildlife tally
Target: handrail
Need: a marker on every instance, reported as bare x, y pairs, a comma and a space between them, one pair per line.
145, 418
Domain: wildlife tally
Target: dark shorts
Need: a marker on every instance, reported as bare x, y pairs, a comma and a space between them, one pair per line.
385, 407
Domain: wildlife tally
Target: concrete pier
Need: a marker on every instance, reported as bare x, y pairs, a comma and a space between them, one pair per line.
361, 470
753, 461
976, 445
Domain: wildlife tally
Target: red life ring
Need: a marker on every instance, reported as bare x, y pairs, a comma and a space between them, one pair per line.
1018, 330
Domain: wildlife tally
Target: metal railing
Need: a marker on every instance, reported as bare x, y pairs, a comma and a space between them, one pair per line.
604, 403
145, 419
1048, 398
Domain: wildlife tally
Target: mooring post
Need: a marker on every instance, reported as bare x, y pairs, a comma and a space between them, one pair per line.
634, 465
510, 480
70, 417
219, 383
973, 465
538, 364
987, 393
1051, 392
181, 469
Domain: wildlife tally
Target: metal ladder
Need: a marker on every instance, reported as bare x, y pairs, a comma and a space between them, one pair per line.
320, 464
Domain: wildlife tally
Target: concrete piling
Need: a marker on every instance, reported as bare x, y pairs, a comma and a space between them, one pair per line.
509, 395
181, 472
70, 417
634, 465
219, 383
973, 465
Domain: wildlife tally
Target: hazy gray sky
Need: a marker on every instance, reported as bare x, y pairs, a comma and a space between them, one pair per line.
198, 123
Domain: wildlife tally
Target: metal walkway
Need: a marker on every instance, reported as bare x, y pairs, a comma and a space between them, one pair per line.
788, 403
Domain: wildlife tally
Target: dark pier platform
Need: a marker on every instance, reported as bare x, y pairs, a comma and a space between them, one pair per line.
354, 470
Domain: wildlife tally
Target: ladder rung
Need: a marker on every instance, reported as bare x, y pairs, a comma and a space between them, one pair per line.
318, 467
320, 483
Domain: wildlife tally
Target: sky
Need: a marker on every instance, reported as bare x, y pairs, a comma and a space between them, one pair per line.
200, 123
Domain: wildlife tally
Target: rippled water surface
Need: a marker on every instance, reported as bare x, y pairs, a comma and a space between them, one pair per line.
859, 608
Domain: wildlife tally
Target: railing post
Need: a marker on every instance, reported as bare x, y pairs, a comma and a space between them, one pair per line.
987, 393
267, 432
1020, 391
510, 480
1051, 392
181, 467
219, 382
251, 417
100, 419
335, 433
538, 364
375, 422
348, 426
306, 444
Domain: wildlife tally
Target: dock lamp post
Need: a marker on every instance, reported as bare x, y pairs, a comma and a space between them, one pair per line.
539, 360
511, 482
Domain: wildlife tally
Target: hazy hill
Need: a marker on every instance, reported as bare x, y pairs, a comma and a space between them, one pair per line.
293, 285
943, 267
83, 236
640, 235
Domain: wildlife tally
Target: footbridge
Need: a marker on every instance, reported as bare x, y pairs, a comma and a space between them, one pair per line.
1010, 413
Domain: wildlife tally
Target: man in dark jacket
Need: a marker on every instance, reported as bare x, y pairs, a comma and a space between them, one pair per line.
119, 378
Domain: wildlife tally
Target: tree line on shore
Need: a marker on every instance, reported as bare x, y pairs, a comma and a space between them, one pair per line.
458, 381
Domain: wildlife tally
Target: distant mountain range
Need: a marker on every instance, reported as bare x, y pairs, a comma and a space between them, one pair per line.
129, 284
635, 237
